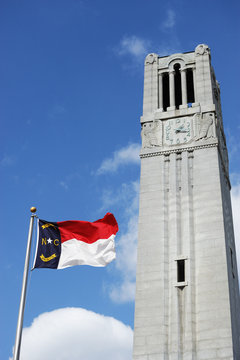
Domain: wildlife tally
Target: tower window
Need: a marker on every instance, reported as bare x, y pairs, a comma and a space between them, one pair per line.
166, 100
190, 87
178, 86
180, 270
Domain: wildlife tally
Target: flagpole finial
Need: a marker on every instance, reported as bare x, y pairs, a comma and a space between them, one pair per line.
33, 209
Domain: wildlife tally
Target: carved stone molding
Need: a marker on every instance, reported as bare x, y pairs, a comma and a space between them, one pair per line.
196, 129
172, 151
205, 126
202, 49
152, 134
151, 59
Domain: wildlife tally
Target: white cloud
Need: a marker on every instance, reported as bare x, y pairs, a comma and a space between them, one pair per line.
125, 198
233, 144
126, 247
75, 333
123, 292
134, 46
235, 194
125, 156
170, 20
126, 260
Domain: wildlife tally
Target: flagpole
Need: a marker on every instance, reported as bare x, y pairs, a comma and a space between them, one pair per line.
17, 345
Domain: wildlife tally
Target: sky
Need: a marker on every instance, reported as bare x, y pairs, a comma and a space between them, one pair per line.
71, 86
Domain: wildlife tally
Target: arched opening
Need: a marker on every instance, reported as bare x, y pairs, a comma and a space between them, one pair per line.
190, 87
165, 85
178, 86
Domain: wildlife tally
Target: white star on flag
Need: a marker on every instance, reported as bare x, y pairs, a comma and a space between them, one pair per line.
49, 241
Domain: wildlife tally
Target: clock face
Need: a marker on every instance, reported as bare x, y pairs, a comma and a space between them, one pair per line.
177, 131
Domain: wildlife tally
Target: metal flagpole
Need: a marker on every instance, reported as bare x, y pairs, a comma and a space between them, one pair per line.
17, 345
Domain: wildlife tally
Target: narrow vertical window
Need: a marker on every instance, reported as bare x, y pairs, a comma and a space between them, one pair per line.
190, 87
166, 99
180, 270
178, 86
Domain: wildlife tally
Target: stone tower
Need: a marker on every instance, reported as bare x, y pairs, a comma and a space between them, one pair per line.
187, 292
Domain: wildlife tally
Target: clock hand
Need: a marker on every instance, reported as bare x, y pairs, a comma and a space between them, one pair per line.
180, 131
180, 128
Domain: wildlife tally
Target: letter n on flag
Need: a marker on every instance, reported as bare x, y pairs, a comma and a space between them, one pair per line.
68, 243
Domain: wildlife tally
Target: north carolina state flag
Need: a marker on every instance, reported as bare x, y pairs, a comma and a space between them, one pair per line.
68, 243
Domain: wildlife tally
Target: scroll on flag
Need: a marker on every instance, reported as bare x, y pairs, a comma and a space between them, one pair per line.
68, 243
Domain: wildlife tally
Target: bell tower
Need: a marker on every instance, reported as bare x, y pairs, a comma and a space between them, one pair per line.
187, 292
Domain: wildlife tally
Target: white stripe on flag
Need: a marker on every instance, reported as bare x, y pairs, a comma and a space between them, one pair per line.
75, 252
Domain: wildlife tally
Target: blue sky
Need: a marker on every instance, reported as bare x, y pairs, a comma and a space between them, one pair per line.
71, 84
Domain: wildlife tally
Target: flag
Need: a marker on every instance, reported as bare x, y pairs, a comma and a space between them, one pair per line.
68, 243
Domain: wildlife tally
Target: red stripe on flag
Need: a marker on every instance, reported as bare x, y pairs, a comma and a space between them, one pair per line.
88, 232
